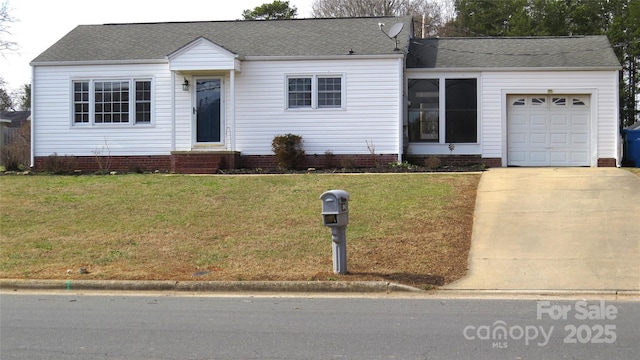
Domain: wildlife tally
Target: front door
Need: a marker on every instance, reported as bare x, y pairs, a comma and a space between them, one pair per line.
208, 105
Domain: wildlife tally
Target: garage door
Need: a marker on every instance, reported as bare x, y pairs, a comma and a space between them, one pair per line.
548, 130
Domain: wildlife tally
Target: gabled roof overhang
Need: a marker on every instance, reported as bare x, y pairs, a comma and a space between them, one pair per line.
203, 55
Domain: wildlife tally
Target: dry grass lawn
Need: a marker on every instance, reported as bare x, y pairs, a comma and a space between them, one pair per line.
408, 228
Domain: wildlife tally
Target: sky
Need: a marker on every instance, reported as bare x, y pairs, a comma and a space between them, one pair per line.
40, 23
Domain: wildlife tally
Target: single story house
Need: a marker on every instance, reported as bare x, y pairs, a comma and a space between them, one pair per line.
192, 97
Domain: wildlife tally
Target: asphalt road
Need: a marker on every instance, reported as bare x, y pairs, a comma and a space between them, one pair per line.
47, 326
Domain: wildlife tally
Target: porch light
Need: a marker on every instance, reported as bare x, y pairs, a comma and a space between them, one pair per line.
185, 85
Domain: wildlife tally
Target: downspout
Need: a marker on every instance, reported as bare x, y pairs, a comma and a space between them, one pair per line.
401, 108
619, 125
173, 111
232, 108
33, 118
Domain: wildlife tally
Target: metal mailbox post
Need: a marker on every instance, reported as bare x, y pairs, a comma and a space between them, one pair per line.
335, 215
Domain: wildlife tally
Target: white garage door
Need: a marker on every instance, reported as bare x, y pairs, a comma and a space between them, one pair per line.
548, 130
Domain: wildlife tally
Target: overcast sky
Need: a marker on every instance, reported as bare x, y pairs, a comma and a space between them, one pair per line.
40, 23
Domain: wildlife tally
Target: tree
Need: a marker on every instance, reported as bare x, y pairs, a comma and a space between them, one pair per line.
5, 23
428, 15
24, 97
276, 10
359, 8
625, 35
6, 101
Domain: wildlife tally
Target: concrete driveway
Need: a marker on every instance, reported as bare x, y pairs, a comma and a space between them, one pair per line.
555, 229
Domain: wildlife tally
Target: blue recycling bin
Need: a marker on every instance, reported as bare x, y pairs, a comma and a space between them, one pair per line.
632, 144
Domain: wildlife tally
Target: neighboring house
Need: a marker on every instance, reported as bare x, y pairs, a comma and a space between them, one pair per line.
11, 123
3, 125
195, 96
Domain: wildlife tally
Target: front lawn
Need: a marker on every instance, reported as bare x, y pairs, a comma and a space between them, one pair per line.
408, 228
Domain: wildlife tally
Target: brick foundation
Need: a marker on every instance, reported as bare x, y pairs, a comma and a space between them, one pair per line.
193, 162
89, 164
210, 162
606, 162
321, 161
492, 162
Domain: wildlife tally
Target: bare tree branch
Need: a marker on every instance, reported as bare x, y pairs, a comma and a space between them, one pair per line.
5, 24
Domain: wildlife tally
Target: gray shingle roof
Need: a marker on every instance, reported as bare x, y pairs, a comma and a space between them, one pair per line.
17, 118
301, 37
512, 52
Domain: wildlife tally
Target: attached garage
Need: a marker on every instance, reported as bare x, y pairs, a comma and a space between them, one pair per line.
548, 130
538, 101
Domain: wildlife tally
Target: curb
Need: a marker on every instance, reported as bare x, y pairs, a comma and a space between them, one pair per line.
210, 286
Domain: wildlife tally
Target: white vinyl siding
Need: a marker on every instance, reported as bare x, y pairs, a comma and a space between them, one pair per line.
370, 111
203, 55
54, 131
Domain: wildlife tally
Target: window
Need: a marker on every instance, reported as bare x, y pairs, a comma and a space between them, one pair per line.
559, 101
329, 92
519, 102
112, 102
314, 92
461, 117
299, 92
81, 102
578, 102
443, 104
424, 110
539, 101
143, 102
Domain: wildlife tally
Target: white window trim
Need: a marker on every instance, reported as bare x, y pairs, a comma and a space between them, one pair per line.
132, 103
314, 92
442, 121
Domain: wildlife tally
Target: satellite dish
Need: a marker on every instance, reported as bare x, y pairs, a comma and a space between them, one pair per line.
395, 30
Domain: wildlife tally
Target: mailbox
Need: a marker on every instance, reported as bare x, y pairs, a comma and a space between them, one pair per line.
335, 215
335, 208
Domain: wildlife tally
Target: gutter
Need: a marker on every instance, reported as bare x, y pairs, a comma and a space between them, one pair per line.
399, 54
98, 62
250, 58
511, 69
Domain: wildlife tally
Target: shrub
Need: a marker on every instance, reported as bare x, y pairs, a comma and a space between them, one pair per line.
329, 159
402, 165
288, 150
348, 162
58, 165
433, 162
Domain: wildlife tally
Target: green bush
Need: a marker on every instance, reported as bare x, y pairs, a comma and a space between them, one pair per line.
288, 150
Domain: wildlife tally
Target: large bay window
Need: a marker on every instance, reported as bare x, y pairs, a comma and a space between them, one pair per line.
443, 110
314, 92
99, 102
